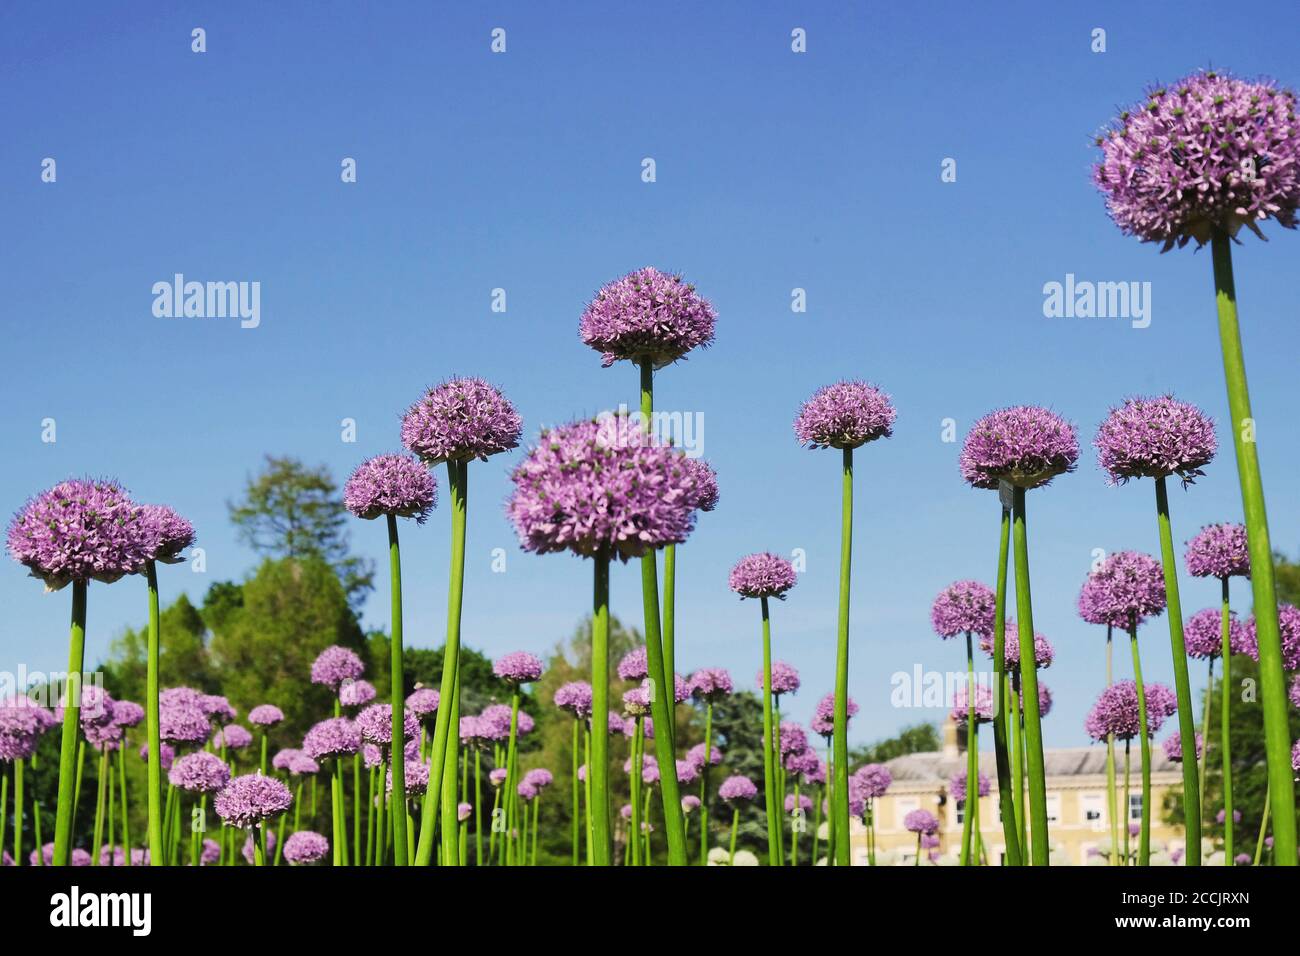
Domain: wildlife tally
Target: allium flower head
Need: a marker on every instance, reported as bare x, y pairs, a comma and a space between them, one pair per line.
21, 727
598, 486
539, 777
249, 852
1174, 747
1155, 437
397, 485
280, 759
785, 679
872, 780
791, 738
921, 821
376, 724
498, 776
463, 811
805, 763
690, 803
1044, 653
575, 698
687, 772
334, 665
1124, 590
636, 702
711, 684
459, 420
1203, 634
647, 316
356, 693
248, 800
957, 785
334, 737
1295, 757
1288, 622
1116, 711
704, 481
737, 788
265, 715
983, 704
218, 708
634, 664
79, 530
805, 803
1219, 551
166, 755
199, 772
494, 722
964, 607
208, 855
127, 713
416, 780
1207, 152
182, 723
305, 847
518, 667
166, 533
1294, 693
696, 755
1025, 445
232, 737
823, 719
762, 575
300, 764
423, 702
844, 415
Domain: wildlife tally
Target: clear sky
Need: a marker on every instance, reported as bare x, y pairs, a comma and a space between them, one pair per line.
523, 171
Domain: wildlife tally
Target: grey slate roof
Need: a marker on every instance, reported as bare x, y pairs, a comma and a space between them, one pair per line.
935, 767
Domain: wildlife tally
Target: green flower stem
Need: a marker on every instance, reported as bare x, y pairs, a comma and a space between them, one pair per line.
262, 764
335, 814
371, 821
735, 825
462, 826
478, 803
1144, 841
81, 766
111, 821
154, 779
356, 808
492, 839
1205, 729
169, 811
773, 813
645, 826
779, 767
450, 822
918, 850
1263, 829
669, 630
1033, 736
1128, 750
598, 765
381, 816
573, 810
259, 848
537, 815
1277, 736
634, 786
313, 798
71, 717
509, 791
1112, 797
794, 828
840, 807
704, 783
398, 690
101, 793
1182, 684
830, 803
18, 813
126, 822
1010, 813
446, 737
36, 823
1017, 766
817, 822
971, 757
586, 793
1225, 737
4, 810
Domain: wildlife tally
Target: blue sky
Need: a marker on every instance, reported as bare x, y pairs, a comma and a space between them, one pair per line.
522, 171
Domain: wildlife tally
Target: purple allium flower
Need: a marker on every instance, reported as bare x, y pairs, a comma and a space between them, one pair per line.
636, 702
523, 724
376, 724
872, 780
397, 485
417, 777
625, 811
21, 727
921, 821
464, 811
1044, 653
1288, 623
265, 715
1026, 446
248, 852
166, 755
304, 847
127, 713
423, 702
647, 316
1044, 699
687, 771
166, 533
248, 800
356, 693
711, 684
1294, 693
681, 689
199, 772
762, 575
1222, 816
372, 756
696, 755
930, 841
785, 679
690, 803
704, 492
1206, 152
79, 856
334, 665
280, 760
737, 788
575, 698
527, 791
634, 665
792, 738
498, 776
518, 667
1203, 634
494, 722
300, 764
1134, 829
805, 803
844, 415
597, 486
459, 420
79, 530
183, 724
983, 704
1116, 711
232, 737
539, 777
334, 737
218, 708
957, 785
965, 607
1219, 551
1155, 437
823, 719
1295, 757
1127, 588
1241, 859
182, 697
1174, 747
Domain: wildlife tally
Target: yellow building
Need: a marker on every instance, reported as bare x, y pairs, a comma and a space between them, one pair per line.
1077, 803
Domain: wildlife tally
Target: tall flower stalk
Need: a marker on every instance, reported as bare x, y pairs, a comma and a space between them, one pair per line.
575, 698
1196, 161
708, 685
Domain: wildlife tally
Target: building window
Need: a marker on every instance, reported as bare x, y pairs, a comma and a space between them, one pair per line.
960, 809
1092, 807
1053, 808
1135, 806
903, 807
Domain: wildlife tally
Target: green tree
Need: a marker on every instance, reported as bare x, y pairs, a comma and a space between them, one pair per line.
291, 510
912, 739
183, 658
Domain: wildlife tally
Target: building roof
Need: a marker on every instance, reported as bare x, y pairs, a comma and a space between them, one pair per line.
937, 767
